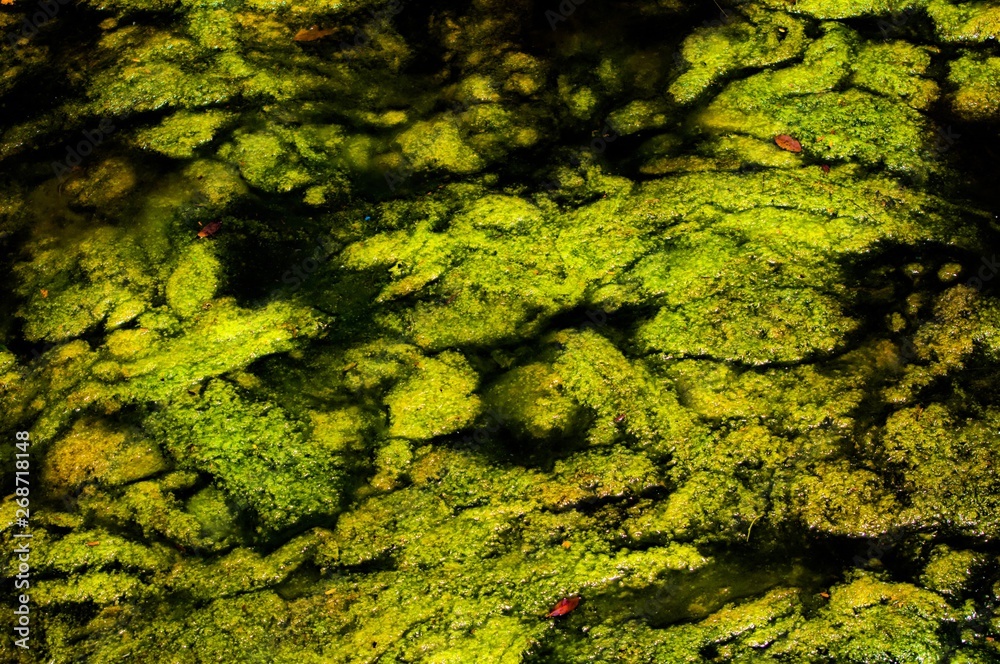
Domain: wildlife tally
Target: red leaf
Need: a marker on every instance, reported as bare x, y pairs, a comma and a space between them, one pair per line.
564, 606
786, 142
210, 229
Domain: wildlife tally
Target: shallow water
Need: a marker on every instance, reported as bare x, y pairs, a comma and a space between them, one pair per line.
364, 331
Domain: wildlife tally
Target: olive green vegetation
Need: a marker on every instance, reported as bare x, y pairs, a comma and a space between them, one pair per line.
500, 314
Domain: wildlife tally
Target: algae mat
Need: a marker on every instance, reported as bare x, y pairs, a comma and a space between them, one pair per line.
367, 331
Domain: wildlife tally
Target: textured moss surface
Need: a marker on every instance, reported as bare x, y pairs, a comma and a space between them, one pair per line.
499, 303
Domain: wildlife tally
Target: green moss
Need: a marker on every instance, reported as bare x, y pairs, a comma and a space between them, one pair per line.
973, 75
530, 399
98, 550
194, 281
92, 452
280, 159
257, 453
164, 71
905, 76
637, 116
580, 101
435, 400
842, 125
217, 520
964, 21
437, 145
713, 53
688, 358
73, 281
951, 572
180, 134
937, 457
218, 183
100, 588
865, 618
828, 9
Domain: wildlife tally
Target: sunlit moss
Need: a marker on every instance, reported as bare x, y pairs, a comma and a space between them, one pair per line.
712, 53
965, 21
91, 452
194, 281
599, 335
181, 133
973, 76
257, 453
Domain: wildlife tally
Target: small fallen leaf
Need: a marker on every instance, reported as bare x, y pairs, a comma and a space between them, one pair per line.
210, 229
786, 142
93, 543
312, 34
45, 293
564, 606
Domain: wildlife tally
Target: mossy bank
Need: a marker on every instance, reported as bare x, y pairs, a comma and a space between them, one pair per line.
503, 308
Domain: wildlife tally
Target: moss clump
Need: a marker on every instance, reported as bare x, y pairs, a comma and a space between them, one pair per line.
973, 75
180, 134
601, 335
906, 76
437, 145
435, 400
952, 572
964, 22
256, 452
91, 452
531, 399
194, 281
713, 53
280, 160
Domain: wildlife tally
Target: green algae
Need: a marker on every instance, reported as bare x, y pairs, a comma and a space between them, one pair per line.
180, 134
741, 404
972, 75
252, 451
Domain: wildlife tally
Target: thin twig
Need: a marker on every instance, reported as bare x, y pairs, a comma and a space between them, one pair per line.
751, 526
